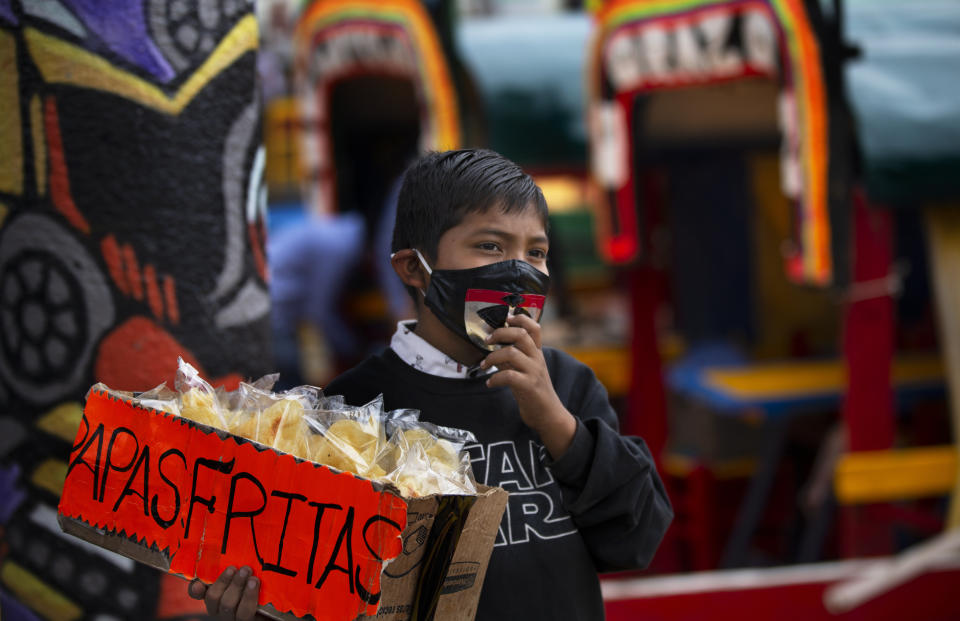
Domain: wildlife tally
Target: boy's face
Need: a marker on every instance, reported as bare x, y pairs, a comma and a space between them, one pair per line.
492, 236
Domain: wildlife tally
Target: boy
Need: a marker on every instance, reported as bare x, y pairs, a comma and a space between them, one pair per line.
470, 243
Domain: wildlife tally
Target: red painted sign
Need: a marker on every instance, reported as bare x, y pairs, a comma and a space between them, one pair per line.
316, 538
710, 44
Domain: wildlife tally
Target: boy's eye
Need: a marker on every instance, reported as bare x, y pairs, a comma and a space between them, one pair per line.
489, 246
538, 253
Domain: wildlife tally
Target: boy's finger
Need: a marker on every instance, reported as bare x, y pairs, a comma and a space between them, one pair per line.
248, 602
527, 323
196, 589
215, 590
508, 358
231, 597
514, 336
507, 378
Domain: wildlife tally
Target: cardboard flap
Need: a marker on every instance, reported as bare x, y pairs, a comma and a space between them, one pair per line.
458, 578
463, 582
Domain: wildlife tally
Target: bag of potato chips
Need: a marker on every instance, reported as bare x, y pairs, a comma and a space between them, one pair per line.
275, 420
159, 398
250, 404
394, 419
422, 459
198, 399
350, 437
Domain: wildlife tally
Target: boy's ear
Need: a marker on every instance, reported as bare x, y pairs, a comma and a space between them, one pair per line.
408, 267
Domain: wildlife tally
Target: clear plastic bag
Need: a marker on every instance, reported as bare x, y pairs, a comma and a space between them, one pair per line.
350, 437
394, 419
276, 420
246, 423
160, 398
293, 432
198, 399
423, 459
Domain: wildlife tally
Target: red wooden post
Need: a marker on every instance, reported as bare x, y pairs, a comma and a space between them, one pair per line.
868, 349
646, 411
647, 401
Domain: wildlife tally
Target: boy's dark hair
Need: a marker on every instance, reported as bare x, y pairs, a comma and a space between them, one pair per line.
440, 188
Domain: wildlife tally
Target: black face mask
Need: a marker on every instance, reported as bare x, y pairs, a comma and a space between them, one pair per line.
475, 302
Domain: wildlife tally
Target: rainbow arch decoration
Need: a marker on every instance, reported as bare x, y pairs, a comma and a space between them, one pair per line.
385, 37
778, 42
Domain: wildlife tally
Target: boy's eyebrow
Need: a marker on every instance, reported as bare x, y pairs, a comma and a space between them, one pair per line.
539, 239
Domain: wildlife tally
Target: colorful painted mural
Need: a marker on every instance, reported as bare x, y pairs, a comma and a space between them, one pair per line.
131, 231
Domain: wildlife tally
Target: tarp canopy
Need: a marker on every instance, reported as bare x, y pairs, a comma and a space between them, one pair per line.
529, 71
905, 91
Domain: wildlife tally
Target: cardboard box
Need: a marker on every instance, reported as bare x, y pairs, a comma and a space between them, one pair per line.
446, 548
191, 500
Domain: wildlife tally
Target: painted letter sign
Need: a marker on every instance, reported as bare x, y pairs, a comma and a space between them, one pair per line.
318, 539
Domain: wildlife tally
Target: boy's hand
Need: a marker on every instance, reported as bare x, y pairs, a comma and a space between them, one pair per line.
233, 597
522, 368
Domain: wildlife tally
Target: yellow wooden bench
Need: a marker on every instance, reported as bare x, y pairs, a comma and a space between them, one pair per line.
895, 474
808, 378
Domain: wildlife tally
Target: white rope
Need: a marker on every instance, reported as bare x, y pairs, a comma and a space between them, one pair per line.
887, 575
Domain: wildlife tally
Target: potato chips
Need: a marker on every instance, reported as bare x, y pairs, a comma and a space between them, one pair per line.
202, 408
427, 459
392, 447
